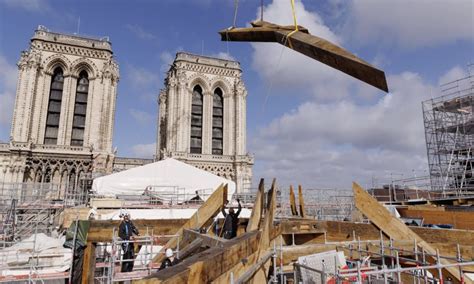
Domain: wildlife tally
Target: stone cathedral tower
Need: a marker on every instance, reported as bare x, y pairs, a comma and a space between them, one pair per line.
63, 119
202, 117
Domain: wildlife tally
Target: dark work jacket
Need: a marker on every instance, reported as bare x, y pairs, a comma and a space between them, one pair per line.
123, 232
231, 221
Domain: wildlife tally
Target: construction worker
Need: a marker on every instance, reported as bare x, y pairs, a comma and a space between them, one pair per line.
231, 221
169, 261
126, 232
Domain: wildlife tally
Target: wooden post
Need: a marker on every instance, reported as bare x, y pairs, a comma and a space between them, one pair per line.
261, 273
88, 264
301, 200
256, 214
294, 211
207, 210
394, 227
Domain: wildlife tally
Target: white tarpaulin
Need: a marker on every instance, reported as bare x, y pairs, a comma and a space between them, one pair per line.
47, 253
167, 178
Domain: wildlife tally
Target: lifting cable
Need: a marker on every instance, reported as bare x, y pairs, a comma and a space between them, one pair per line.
294, 23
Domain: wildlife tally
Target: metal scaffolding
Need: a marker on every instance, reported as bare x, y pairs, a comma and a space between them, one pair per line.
449, 131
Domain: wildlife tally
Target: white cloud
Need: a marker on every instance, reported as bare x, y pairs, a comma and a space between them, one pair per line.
408, 23
283, 67
223, 55
166, 59
140, 32
453, 74
140, 77
8, 74
142, 117
28, 5
144, 150
333, 144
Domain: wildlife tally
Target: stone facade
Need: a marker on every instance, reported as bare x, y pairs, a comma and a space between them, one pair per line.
63, 119
225, 155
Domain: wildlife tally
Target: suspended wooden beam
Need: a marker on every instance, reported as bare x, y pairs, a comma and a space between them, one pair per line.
294, 212
395, 228
312, 46
301, 200
256, 214
207, 210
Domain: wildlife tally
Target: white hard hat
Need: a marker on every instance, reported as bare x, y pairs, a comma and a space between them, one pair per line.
169, 252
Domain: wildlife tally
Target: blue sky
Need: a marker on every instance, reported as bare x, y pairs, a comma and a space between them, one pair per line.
306, 123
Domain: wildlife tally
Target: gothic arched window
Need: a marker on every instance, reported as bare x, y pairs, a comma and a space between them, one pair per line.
217, 122
196, 120
80, 107
54, 107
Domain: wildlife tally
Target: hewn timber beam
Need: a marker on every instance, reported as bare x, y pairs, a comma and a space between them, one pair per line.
88, 264
102, 230
207, 210
311, 46
301, 200
256, 214
260, 275
206, 266
395, 228
207, 240
294, 212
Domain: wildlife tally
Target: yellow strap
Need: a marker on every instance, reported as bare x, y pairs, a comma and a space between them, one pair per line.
294, 22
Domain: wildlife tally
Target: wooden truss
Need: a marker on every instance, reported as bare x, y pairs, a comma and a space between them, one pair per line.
315, 47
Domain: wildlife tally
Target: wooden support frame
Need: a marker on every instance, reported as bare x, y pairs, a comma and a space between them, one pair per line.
301, 200
294, 211
208, 265
88, 263
395, 228
312, 46
256, 214
207, 210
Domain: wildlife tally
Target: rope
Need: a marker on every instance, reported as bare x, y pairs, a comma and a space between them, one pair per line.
294, 23
236, 8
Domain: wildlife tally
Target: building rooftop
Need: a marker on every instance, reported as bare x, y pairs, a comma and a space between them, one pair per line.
44, 34
207, 60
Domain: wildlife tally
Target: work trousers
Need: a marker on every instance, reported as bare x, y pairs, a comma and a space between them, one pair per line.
127, 266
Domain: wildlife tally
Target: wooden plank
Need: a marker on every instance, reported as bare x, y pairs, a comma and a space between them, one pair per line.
208, 265
260, 275
207, 210
311, 46
101, 230
256, 214
88, 264
301, 200
190, 248
294, 212
459, 219
393, 226
207, 240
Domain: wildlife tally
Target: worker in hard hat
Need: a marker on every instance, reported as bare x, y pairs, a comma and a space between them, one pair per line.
170, 260
126, 232
231, 221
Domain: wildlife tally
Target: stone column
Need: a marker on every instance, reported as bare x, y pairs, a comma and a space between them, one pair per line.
42, 114
171, 109
90, 112
207, 123
70, 95
111, 113
229, 124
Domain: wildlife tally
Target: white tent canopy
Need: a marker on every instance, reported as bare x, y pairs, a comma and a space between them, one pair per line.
166, 177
